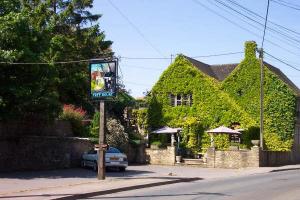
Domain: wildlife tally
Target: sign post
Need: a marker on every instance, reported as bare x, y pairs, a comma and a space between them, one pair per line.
103, 80
102, 141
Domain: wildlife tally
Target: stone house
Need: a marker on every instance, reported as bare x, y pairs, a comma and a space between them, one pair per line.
228, 94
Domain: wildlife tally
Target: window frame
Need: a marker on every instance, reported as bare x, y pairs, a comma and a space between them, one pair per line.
180, 100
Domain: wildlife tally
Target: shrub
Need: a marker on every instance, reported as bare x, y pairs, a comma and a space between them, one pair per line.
251, 133
221, 141
74, 116
156, 143
273, 142
94, 127
115, 134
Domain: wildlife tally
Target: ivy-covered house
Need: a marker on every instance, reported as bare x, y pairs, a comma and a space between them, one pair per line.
197, 96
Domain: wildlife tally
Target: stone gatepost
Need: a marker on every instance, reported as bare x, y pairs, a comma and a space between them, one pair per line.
211, 157
255, 157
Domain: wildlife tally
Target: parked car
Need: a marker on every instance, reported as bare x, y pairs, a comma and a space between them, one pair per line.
113, 158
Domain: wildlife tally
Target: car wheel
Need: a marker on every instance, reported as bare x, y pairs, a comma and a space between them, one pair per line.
95, 166
122, 169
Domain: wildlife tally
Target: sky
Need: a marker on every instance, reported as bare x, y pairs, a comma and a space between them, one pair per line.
161, 29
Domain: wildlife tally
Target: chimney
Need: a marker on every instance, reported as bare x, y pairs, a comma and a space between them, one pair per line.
250, 49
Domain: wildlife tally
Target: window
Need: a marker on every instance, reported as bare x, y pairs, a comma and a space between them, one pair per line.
180, 100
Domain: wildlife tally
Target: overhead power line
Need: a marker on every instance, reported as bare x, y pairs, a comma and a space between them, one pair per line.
222, 54
259, 28
261, 17
241, 27
136, 28
203, 56
284, 35
287, 4
120, 57
144, 58
44, 63
282, 61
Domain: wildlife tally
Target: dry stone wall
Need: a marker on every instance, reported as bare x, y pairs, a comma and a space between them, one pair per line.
39, 153
161, 156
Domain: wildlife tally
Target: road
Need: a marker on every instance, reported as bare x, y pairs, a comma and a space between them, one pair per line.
275, 186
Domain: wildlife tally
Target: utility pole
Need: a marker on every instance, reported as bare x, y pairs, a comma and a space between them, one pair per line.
102, 141
171, 58
261, 136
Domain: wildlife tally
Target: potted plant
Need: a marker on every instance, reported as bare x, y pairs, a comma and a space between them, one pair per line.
255, 143
178, 156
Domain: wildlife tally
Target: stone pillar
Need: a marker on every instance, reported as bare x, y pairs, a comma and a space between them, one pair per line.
172, 140
172, 153
211, 157
255, 157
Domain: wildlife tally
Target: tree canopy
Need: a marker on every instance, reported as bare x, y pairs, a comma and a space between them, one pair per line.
46, 31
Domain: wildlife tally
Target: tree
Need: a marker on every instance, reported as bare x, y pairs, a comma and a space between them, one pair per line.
47, 31
26, 91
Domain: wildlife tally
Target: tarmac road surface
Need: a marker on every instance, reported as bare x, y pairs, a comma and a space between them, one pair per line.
283, 185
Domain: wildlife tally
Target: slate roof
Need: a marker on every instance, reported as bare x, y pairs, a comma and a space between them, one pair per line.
220, 72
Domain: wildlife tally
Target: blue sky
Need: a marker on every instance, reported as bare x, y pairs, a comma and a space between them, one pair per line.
159, 28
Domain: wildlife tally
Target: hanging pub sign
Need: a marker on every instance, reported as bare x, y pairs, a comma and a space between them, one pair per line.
103, 75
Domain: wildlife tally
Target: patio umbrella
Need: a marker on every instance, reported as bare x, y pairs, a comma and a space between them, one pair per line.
223, 129
219, 130
168, 130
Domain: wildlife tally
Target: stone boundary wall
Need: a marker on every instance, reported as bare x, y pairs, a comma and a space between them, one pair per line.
40, 153
233, 159
250, 158
59, 128
161, 156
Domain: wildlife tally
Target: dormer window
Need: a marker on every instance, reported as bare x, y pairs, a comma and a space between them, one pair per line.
181, 100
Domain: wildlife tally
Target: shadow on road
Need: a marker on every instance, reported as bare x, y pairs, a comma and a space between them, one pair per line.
71, 173
135, 187
167, 195
120, 197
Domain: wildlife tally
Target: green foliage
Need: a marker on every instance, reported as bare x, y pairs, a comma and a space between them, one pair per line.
46, 31
141, 118
275, 143
162, 138
211, 105
235, 100
252, 133
192, 133
156, 143
221, 141
279, 100
94, 127
115, 135
123, 100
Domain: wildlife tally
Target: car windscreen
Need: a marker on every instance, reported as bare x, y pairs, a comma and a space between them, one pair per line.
113, 150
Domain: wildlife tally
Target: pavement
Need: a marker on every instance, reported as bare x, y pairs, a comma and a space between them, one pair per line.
82, 183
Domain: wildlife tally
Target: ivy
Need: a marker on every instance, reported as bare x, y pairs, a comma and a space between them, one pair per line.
211, 105
235, 100
279, 100
141, 120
